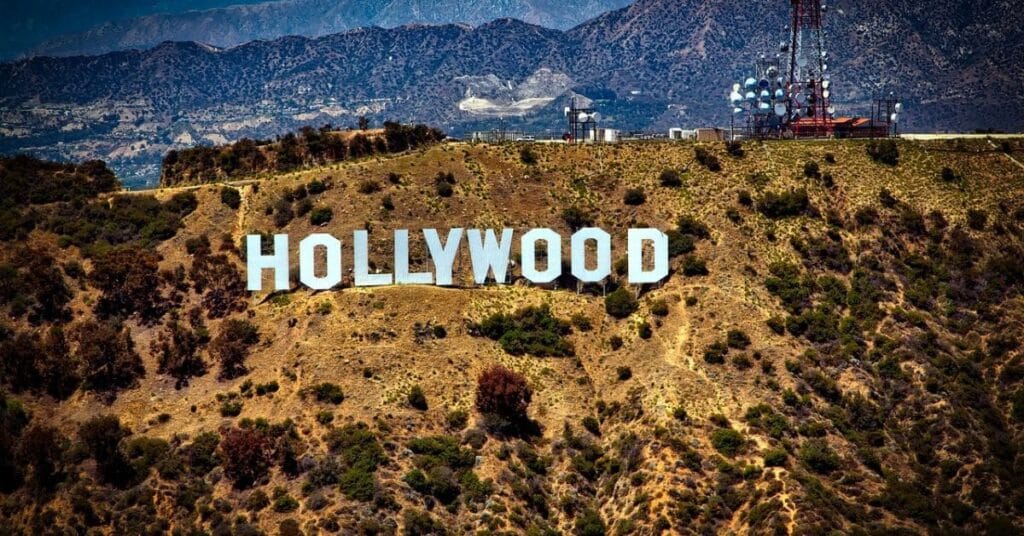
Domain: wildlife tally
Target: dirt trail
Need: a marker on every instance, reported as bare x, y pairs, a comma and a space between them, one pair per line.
787, 500
1008, 156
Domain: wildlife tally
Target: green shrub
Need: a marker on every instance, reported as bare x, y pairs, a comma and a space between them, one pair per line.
727, 441
785, 204
977, 219
744, 198
589, 523
659, 307
706, 159
715, 353
775, 457
231, 405
527, 157
303, 207
689, 225
419, 523
620, 303
643, 330
416, 398
694, 266
818, 456
786, 283
576, 218
737, 339
285, 503
530, 330
321, 215
624, 373
457, 419
884, 151
742, 362
328, 392
316, 186
230, 197
368, 186
679, 243
581, 322
634, 197
735, 148
812, 170
670, 178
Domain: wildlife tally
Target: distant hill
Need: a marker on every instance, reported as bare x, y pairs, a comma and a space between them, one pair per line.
234, 25
654, 64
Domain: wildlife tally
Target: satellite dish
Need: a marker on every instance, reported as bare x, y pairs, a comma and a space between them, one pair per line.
825, 84
735, 87
765, 94
899, 107
780, 109
824, 66
826, 93
596, 116
751, 96
801, 62
567, 111
737, 110
772, 71
735, 97
582, 117
750, 83
764, 106
831, 110
779, 94
801, 98
763, 83
895, 118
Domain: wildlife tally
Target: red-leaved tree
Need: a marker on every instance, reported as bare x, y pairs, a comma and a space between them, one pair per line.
503, 397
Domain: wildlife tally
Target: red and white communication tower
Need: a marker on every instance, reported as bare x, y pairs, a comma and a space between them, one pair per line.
810, 108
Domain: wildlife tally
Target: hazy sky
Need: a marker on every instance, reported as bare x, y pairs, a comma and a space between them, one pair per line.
27, 23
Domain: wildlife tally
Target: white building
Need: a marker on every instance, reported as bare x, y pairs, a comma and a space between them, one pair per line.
604, 135
681, 134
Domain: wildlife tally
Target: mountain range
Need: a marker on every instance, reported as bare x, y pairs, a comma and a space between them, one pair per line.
653, 64
238, 24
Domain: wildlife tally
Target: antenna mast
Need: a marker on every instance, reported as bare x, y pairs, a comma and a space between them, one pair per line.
809, 92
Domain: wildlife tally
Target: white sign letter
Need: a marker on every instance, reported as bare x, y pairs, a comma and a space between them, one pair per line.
489, 255
579, 255
402, 275
256, 262
554, 255
443, 255
307, 261
636, 239
361, 258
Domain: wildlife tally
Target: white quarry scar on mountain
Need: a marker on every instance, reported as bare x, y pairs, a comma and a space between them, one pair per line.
490, 95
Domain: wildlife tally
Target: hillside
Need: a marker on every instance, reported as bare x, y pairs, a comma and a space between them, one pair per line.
848, 361
651, 65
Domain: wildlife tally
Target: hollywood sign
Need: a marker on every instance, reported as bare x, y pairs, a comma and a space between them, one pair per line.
489, 254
